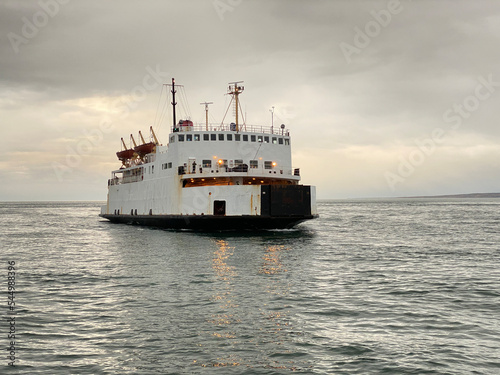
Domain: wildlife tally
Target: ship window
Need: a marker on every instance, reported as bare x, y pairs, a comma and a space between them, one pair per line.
245, 137
189, 137
238, 162
229, 137
287, 141
172, 139
252, 138
280, 140
169, 165
207, 163
181, 137
221, 137
152, 169
268, 164
259, 138
213, 137
206, 137
237, 137
266, 139
197, 137
275, 140
254, 163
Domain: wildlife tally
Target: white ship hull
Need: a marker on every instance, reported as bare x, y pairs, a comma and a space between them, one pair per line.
227, 178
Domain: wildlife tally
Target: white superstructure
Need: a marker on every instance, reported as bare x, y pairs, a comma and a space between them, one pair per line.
222, 173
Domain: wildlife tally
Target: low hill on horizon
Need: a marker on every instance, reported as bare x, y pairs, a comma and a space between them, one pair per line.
471, 195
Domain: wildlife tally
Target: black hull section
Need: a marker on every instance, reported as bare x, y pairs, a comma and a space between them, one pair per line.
210, 222
285, 200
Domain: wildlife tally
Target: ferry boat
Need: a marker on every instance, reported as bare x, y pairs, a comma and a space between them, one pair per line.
231, 177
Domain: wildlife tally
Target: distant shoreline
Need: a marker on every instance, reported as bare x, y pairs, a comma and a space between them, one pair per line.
472, 195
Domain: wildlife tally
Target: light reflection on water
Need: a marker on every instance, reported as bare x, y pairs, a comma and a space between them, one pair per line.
371, 287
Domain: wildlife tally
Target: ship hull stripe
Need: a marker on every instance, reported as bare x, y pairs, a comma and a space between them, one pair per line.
210, 222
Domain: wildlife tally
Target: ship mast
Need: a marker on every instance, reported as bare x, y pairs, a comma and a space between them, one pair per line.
272, 120
206, 112
235, 90
173, 101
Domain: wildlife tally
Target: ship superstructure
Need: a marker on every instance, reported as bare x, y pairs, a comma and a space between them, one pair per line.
229, 177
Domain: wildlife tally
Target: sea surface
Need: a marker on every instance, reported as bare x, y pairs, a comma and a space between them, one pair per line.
395, 286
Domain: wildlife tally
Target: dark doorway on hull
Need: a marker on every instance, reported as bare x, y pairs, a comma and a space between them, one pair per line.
220, 208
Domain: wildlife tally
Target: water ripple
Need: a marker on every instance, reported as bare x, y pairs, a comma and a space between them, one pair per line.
394, 287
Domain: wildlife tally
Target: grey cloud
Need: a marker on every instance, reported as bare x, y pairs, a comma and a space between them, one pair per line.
395, 90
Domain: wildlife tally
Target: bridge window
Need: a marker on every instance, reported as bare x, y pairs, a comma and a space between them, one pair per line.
189, 137
266, 139
181, 137
252, 138
237, 137
268, 164
287, 141
196, 137
254, 163
229, 137
213, 137
280, 141
221, 137
245, 137
259, 138
207, 163
206, 137
275, 140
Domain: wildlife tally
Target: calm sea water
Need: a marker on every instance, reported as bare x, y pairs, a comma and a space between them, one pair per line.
375, 286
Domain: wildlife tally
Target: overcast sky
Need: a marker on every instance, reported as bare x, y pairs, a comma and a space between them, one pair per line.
382, 98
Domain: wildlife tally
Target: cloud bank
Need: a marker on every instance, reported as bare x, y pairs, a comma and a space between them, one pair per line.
383, 98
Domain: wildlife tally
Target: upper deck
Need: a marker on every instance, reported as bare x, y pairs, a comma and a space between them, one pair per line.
257, 129
227, 152
194, 153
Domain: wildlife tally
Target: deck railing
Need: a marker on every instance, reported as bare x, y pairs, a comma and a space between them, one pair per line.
277, 130
215, 172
